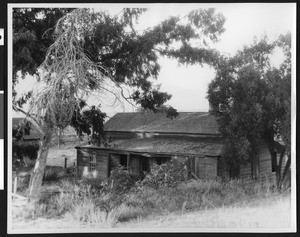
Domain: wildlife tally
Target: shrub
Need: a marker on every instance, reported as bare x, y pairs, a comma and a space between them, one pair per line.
95, 202
29, 149
23, 179
169, 174
195, 194
95, 184
120, 181
127, 212
87, 213
71, 171
53, 173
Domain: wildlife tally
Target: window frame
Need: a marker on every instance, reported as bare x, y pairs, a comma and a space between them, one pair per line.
92, 162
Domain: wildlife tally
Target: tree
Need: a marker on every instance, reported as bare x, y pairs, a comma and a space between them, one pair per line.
32, 35
91, 50
252, 101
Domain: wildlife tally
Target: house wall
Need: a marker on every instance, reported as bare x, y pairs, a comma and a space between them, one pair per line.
115, 158
204, 167
102, 161
82, 160
102, 164
207, 167
265, 167
221, 168
134, 165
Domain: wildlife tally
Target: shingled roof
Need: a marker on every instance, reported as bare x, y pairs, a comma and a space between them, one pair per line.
35, 134
170, 146
185, 122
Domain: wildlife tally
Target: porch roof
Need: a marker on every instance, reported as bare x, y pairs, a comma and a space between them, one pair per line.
169, 146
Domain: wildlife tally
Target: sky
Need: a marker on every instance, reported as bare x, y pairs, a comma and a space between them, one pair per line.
188, 84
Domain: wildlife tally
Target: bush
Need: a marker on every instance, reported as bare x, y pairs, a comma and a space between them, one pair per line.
93, 201
71, 171
120, 181
53, 173
95, 184
195, 194
169, 174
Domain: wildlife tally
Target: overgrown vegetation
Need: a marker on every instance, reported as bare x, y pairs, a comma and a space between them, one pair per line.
29, 149
252, 102
94, 202
168, 174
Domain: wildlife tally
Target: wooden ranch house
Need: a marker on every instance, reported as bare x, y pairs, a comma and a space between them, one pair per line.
143, 138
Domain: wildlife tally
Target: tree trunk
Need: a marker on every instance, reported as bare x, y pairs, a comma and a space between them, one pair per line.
272, 146
37, 174
59, 137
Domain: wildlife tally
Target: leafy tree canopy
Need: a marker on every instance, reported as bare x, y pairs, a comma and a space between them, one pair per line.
77, 51
32, 29
253, 100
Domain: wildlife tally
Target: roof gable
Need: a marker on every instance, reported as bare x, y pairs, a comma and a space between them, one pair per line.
185, 122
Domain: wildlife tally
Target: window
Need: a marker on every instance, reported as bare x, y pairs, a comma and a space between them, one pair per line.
93, 161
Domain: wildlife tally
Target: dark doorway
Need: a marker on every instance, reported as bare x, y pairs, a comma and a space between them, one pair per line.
123, 160
161, 160
116, 160
144, 165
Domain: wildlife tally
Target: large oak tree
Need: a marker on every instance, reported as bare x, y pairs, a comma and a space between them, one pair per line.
89, 51
252, 100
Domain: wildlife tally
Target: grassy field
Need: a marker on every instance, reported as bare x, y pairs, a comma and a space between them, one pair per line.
73, 203
272, 213
269, 213
197, 205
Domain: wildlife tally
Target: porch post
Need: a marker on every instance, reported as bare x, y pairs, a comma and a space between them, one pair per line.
128, 160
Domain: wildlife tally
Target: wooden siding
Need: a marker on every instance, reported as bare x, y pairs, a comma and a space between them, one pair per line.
119, 135
221, 169
134, 165
204, 167
115, 158
265, 167
102, 164
83, 161
207, 168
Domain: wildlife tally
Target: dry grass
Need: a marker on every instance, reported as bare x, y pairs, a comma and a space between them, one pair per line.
270, 213
86, 213
273, 213
71, 201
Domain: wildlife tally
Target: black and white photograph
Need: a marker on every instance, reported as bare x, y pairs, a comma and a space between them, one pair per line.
157, 117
